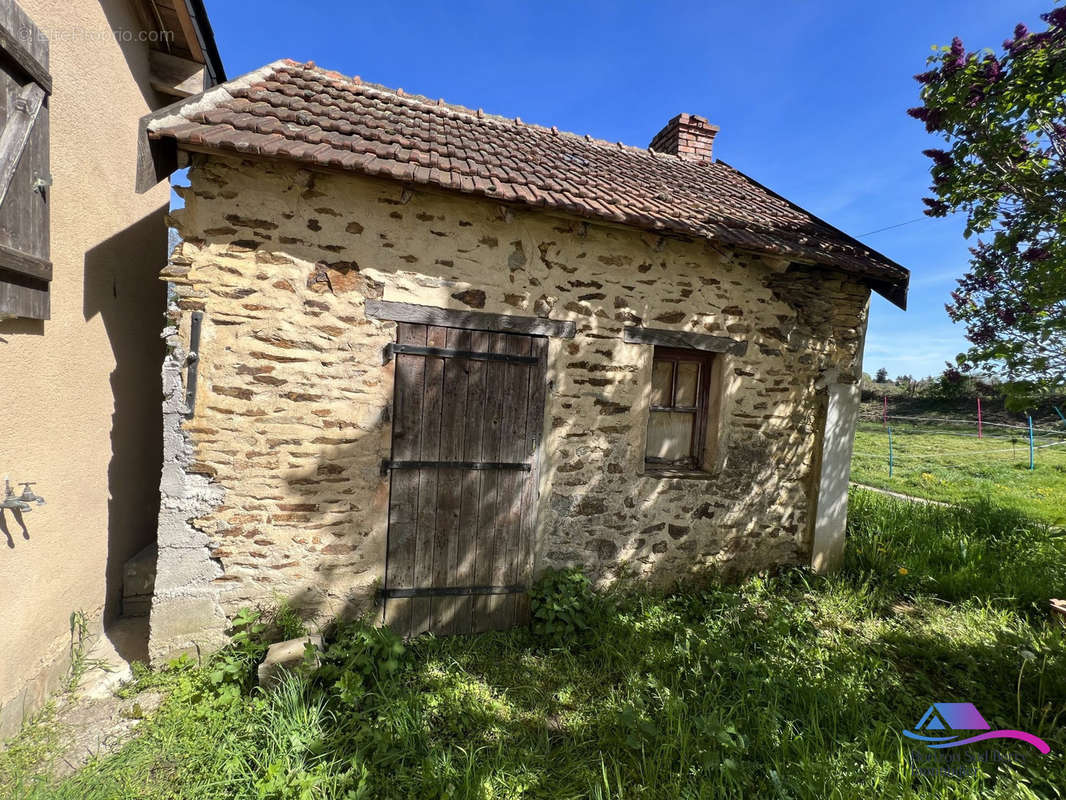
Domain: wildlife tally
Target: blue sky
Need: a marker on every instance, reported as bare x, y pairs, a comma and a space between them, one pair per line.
810, 97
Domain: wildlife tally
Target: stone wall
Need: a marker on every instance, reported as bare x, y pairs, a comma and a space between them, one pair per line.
292, 412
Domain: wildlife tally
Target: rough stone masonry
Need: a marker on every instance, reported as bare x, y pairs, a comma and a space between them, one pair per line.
273, 489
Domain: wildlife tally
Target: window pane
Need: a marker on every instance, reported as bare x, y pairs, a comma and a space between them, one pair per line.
669, 435
662, 375
688, 374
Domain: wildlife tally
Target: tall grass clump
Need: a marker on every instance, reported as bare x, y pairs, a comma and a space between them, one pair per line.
974, 550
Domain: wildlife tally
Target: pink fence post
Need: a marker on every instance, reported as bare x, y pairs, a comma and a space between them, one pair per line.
978, 417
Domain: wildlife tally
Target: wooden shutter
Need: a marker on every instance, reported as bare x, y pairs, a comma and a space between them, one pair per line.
25, 268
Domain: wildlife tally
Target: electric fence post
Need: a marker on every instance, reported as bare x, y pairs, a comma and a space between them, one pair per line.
1031, 464
890, 451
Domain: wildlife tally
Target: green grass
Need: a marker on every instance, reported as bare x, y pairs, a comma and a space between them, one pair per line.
936, 462
977, 550
782, 687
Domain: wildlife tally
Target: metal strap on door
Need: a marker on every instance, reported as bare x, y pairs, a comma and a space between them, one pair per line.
389, 464
394, 349
451, 591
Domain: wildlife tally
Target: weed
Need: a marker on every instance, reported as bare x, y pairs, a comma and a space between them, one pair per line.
978, 550
563, 606
287, 622
81, 642
358, 658
231, 669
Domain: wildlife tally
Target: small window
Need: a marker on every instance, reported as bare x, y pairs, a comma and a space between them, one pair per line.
677, 422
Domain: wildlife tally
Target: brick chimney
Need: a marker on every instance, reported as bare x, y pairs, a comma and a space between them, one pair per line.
687, 136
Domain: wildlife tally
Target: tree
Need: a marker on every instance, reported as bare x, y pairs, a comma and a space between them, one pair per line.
907, 384
882, 375
1004, 119
951, 384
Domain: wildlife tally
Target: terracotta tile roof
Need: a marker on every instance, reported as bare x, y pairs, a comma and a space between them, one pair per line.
304, 113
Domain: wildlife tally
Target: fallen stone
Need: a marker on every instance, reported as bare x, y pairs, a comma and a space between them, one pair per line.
284, 657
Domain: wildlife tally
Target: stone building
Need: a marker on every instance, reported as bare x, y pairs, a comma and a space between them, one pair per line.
420, 353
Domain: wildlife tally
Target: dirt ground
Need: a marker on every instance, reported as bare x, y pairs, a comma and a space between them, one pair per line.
95, 726
91, 720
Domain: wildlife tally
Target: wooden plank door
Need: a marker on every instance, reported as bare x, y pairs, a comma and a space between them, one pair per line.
467, 422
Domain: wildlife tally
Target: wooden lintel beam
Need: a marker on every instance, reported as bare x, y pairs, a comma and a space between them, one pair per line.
469, 320
684, 339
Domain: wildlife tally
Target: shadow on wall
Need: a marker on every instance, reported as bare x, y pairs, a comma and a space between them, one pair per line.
657, 531
122, 285
20, 327
334, 593
135, 51
6, 530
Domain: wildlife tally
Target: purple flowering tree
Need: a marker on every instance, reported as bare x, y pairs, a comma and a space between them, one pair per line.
1003, 117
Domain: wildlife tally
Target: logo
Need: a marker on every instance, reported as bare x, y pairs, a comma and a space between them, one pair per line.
950, 722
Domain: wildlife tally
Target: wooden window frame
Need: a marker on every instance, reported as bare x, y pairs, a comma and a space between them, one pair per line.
698, 443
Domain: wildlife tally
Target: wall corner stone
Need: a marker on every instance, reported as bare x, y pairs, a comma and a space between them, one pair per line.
186, 616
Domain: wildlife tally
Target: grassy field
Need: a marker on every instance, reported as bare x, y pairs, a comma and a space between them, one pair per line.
946, 461
782, 687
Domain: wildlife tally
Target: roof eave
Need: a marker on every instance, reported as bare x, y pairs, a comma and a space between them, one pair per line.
893, 291
157, 157
202, 24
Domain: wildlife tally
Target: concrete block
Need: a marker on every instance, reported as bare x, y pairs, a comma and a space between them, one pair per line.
186, 615
139, 605
285, 656
191, 623
138, 574
183, 568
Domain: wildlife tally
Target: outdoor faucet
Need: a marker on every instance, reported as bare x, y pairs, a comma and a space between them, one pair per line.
22, 502
28, 496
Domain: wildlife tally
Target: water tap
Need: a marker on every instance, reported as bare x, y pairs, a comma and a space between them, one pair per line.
28, 495
22, 502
